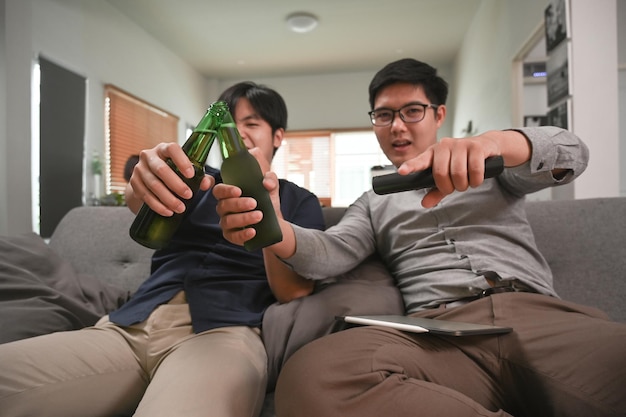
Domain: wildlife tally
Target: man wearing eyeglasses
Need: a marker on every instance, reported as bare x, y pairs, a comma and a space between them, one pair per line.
461, 251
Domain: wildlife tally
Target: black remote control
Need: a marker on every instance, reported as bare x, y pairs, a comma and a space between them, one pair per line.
395, 183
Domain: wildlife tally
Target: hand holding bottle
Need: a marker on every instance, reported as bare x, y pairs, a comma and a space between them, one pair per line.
153, 181
240, 168
238, 213
153, 229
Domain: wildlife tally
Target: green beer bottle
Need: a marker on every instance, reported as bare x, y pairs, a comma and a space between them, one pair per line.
150, 228
242, 169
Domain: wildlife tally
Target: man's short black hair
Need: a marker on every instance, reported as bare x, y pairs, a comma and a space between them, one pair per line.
412, 71
264, 100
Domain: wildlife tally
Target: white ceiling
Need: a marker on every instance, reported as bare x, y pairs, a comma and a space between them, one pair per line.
250, 38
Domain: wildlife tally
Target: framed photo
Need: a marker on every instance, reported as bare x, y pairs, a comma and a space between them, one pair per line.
556, 18
558, 77
559, 116
541, 120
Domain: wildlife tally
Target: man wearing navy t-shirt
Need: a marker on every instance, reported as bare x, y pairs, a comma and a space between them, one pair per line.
188, 343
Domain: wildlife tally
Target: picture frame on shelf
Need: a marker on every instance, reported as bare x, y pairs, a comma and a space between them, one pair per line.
556, 19
558, 74
560, 115
535, 120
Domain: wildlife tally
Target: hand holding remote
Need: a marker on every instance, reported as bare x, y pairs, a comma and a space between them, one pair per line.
395, 183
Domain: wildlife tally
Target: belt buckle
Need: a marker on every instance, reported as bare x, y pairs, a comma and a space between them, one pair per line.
497, 285
496, 290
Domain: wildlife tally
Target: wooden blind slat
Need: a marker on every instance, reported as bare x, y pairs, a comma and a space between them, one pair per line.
133, 125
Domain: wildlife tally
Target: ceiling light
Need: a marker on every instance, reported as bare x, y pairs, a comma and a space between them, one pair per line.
301, 22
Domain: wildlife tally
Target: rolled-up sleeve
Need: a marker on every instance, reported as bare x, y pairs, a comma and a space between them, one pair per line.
552, 148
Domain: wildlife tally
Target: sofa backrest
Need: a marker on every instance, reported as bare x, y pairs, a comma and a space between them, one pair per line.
584, 241
95, 241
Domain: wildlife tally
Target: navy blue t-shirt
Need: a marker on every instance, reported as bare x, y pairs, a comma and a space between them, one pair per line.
225, 285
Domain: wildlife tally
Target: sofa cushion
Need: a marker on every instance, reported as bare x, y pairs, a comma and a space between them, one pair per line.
41, 293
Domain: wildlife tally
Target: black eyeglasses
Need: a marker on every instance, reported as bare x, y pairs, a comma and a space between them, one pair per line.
410, 113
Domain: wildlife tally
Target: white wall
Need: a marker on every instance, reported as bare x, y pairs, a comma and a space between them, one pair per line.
15, 204
595, 94
94, 40
329, 101
3, 124
621, 59
484, 70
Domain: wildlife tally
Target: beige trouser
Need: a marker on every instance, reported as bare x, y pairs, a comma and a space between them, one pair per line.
156, 368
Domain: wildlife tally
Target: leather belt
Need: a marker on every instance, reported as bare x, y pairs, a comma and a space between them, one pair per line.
497, 285
512, 285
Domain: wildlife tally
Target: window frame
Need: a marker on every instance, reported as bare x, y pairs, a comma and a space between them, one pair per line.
330, 197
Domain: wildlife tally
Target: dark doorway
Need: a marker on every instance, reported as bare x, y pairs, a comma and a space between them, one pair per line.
62, 132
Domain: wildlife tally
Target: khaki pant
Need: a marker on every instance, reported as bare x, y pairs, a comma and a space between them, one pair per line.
156, 368
561, 359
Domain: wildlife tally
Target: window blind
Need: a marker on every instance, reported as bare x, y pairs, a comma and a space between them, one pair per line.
132, 125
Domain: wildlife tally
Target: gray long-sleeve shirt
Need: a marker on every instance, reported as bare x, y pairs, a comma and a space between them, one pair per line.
437, 255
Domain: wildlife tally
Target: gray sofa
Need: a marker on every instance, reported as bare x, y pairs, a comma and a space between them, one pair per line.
584, 242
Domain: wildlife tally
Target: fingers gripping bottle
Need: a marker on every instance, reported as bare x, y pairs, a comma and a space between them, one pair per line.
241, 168
150, 228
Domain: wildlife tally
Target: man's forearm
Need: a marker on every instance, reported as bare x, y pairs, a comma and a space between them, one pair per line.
287, 247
